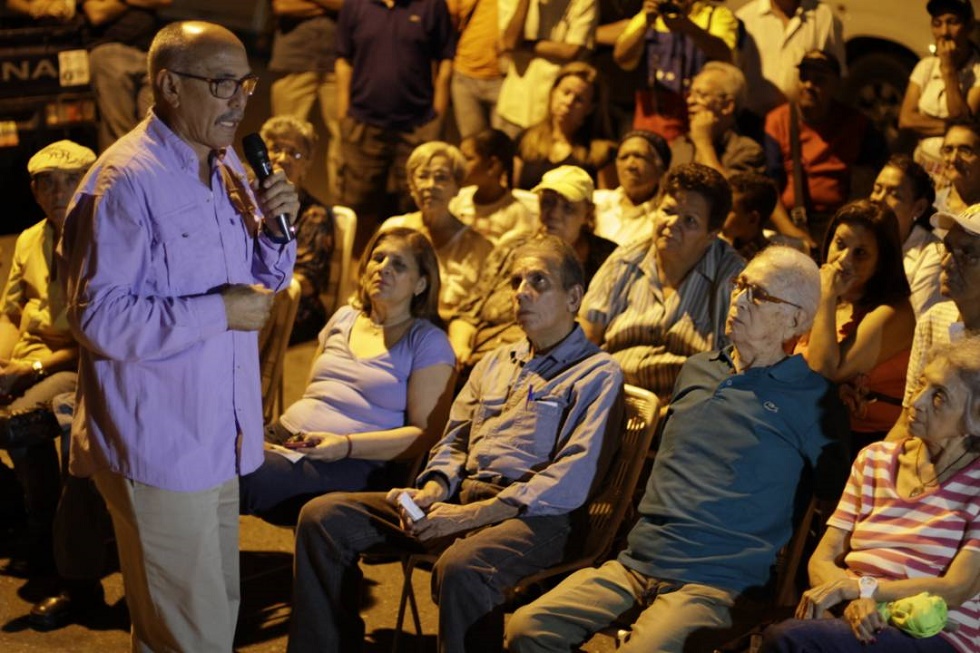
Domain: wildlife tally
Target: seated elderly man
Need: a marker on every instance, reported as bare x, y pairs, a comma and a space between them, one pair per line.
657, 301
38, 354
717, 93
526, 442
744, 425
486, 320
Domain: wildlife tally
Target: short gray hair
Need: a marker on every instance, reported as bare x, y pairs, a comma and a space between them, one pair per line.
428, 151
557, 251
964, 357
287, 125
799, 280
733, 82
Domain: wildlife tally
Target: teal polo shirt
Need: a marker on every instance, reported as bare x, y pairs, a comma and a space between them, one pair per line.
721, 496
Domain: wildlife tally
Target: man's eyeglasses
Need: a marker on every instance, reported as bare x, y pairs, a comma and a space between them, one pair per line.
225, 88
963, 150
704, 97
815, 77
756, 293
964, 256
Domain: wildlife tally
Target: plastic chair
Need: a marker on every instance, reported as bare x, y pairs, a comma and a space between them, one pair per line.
340, 286
273, 340
606, 511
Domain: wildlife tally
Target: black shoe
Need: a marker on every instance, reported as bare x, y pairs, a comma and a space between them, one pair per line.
27, 427
58, 611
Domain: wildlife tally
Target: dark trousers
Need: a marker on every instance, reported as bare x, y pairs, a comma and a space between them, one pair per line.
37, 466
469, 580
371, 155
82, 529
836, 636
278, 489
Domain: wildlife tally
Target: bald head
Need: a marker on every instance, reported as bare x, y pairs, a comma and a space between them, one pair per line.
201, 83
179, 46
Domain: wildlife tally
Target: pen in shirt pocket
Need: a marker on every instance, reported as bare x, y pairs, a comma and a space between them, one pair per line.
530, 397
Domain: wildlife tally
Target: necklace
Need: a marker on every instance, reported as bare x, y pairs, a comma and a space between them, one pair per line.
921, 487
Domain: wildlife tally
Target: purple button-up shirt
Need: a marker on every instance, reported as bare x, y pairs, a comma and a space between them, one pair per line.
168, 396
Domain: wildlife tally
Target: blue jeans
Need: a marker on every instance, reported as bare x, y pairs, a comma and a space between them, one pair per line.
278, 489
836, 636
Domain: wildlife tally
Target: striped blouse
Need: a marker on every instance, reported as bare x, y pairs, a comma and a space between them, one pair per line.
895, 538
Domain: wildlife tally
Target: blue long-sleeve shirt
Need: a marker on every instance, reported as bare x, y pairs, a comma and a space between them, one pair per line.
543, 424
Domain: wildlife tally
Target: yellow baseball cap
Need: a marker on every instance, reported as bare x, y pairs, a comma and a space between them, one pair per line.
571, 182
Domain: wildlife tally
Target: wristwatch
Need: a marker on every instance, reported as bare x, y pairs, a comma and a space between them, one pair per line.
867, 586
38, 368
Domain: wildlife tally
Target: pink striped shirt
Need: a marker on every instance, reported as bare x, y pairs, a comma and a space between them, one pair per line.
896, 538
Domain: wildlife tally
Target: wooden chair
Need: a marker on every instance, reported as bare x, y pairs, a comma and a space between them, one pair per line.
341, 282
606, 511
273, 340
792, 558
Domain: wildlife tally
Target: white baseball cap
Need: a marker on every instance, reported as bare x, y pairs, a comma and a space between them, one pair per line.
968, 219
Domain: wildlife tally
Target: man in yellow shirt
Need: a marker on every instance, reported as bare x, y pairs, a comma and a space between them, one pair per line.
38, 356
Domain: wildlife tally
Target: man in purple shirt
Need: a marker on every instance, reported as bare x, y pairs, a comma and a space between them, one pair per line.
171, 270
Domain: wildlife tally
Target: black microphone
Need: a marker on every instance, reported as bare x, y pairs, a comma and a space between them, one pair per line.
258, 157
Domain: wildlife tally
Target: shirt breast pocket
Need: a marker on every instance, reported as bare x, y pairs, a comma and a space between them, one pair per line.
191, 250
538, 426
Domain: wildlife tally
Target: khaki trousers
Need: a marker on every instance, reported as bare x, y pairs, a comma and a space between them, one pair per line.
591, 599
179, 557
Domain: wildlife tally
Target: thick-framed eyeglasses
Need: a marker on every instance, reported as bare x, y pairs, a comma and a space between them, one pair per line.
756, 294
225, 88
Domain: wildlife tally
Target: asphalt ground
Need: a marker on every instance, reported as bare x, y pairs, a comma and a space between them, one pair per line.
266, 564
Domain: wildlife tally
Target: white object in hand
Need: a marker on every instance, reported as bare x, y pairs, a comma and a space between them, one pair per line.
410, 506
